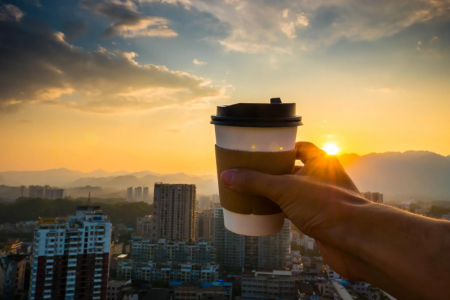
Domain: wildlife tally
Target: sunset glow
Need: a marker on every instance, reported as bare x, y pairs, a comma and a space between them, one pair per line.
331, 148
98, 94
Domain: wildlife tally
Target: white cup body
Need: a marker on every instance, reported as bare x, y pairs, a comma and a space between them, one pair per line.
257, 139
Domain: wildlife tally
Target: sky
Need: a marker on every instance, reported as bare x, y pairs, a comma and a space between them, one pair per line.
131, 85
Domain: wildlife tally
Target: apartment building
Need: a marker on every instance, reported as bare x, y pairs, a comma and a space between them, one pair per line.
71, 256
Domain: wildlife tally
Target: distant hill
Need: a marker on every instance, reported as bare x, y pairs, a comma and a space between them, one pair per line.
420, 174
417, 174
106, 183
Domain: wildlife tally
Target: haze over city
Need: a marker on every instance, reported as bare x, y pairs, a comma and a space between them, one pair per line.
130, 85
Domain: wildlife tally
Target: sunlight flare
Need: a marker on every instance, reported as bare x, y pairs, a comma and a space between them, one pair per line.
331, 148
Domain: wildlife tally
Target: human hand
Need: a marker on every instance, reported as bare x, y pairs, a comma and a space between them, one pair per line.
317, 199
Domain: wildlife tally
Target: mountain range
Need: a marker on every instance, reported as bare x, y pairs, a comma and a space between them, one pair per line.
102, 183
411, 174
414, 174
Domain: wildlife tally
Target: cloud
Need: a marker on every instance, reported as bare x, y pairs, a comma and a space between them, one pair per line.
288, 29
75, 29
434, 39
41, 66
302, 20
419, 45
197, 62
255, 26
9, 12
128, 22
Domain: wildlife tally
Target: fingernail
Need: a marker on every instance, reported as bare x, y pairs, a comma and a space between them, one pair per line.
227, 176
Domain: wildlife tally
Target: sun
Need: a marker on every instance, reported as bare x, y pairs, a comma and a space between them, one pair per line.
331, 148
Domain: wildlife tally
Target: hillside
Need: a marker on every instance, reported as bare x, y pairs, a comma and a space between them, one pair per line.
412, 173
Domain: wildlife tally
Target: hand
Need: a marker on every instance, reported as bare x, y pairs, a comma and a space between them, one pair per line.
404, 254
316, 199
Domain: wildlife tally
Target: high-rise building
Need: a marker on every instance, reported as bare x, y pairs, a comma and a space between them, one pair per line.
12, 276
58, 194
48, 192
204, 202
215, 198
273, 249
174, 211
45, 192
204, 225
144, 226
375, 197
230, 246
138, 194
36, 191
265, 252
23, 191
146, 197
71, 256
130, 197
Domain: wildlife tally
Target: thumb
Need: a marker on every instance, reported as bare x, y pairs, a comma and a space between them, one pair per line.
254, 183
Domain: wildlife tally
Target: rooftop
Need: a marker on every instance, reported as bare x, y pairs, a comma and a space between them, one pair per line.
343, 293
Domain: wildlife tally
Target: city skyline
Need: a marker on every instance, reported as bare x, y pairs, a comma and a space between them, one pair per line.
365, 78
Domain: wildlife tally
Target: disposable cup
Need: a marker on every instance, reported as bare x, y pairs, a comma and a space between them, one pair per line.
246, 132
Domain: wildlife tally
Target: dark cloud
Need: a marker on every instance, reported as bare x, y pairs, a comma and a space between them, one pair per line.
38, 65
128, 22
75, 29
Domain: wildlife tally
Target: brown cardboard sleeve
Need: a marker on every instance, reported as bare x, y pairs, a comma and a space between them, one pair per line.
275, 163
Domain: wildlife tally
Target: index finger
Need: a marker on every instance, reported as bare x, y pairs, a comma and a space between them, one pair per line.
307, 151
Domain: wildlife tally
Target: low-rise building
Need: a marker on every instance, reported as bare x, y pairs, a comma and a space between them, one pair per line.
129, 269
12, 275
163, 251
275, 285
195, 293
114, 288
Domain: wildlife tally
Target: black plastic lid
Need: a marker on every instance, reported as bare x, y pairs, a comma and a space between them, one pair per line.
273, 114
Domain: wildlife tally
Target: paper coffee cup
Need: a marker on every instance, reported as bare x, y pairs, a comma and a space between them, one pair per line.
259, 136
